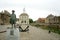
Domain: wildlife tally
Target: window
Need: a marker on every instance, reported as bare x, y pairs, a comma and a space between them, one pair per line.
25, 21
21, 21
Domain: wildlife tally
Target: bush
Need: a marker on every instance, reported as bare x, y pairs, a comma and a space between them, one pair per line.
54, 28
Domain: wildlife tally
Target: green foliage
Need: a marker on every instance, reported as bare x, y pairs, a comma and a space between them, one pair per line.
30, 20
37, 25
52, 28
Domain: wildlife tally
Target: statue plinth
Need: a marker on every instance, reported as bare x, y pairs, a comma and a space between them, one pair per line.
12, 34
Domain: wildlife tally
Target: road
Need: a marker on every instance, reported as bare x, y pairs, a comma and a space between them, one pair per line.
33, 34
39, 34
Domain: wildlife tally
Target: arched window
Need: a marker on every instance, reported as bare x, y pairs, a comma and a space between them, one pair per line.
21, 21
25, 21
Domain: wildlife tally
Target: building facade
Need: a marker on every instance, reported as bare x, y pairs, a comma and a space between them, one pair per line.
49, 19
4, 17
52, 19
41, 20
24, 19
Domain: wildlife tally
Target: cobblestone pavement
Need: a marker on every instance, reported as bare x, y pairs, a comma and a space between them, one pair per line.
33, 34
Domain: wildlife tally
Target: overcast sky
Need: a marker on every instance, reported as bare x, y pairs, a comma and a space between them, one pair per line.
34, 8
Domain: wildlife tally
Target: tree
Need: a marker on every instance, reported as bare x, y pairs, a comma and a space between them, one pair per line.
30, 20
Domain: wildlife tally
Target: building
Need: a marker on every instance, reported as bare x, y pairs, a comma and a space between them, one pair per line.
59, 19
56, 21
41, 20
0, 19
24, 19
4, 17
49, 19
52, 19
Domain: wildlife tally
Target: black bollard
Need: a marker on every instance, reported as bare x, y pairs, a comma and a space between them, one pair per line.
49, 31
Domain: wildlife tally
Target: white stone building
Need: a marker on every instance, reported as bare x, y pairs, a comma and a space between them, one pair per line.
24, 19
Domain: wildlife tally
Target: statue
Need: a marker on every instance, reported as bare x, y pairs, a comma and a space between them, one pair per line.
13, 19
12, 33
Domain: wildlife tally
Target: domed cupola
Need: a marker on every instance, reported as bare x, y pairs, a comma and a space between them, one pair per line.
24, 19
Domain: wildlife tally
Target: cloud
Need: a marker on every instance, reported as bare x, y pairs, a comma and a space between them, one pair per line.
41, 8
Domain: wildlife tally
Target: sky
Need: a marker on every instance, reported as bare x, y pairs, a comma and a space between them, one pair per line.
34, 8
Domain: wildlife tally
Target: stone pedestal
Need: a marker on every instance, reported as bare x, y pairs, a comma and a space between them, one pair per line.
12, 34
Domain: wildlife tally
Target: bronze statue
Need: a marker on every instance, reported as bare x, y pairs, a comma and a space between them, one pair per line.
13, 19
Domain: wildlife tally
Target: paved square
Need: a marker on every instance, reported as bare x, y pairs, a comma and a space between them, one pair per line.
33, 34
